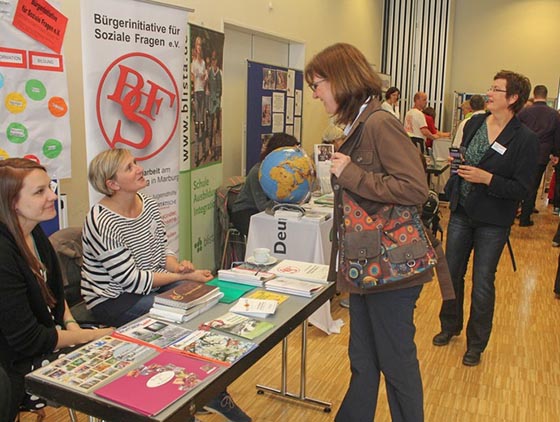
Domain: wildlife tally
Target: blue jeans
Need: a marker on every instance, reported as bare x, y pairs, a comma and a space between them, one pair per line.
127, 307
382, 341
487, 243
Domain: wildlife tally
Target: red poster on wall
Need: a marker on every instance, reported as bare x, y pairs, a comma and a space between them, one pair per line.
42, 22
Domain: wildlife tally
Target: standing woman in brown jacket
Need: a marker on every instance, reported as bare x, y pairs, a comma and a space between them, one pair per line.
375, 165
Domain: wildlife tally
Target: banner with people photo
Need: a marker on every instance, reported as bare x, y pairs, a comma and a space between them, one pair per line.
133, 56
202, 173
34, 116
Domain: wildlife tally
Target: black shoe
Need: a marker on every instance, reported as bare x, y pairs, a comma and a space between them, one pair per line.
526, 223
443, 338
471, 358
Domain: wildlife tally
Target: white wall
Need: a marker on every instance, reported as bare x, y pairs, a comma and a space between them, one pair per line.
517, 35
317, 23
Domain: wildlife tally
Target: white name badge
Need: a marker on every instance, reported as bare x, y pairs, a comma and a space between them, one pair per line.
499, 148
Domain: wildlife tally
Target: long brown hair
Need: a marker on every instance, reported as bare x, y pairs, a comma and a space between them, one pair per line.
12, 173
351, 77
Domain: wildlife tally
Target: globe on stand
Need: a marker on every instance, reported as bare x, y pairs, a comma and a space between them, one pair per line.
287, 175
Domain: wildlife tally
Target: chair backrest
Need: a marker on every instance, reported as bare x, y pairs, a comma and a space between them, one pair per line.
68, 246
225, 197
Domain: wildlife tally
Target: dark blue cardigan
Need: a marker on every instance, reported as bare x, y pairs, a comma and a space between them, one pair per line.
513, 174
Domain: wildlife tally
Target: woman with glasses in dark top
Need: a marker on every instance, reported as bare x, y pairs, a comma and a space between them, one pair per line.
498, 168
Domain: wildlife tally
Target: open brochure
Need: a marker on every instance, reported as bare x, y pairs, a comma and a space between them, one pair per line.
151, 332
91, 365
213, 346
239, 325
260, 308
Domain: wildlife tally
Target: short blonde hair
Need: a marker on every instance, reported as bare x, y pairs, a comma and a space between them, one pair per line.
104, 167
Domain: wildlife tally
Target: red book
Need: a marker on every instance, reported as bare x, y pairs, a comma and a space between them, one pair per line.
154, 385
187, 294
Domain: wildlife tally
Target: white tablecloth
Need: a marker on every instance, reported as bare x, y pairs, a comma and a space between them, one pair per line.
301, 240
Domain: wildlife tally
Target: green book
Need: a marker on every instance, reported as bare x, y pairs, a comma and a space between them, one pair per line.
231, 291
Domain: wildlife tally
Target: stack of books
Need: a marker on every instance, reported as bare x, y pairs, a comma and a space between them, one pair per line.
293, 286
246, 274
327, 199
306, 271
316, 214
185, 301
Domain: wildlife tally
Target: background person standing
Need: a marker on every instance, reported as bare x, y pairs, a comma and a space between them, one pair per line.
545, 122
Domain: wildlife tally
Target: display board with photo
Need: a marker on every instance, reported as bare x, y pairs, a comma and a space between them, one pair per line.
274, 105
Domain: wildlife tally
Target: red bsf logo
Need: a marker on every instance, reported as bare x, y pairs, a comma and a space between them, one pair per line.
138, 104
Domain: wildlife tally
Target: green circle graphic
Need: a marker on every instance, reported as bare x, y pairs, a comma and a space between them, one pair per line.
35, 90
17, 133
52, 148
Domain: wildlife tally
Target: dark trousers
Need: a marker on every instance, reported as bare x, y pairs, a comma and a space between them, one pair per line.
127, 307
241, 220
557, 282
529, 204
8, 408
487, 243
382, 341
556, 198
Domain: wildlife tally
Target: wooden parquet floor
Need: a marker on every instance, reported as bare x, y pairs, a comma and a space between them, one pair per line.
517, 380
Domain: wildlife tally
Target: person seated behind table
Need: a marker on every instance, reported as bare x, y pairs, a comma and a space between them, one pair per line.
126, 261
252, 199
430, 120
35, 320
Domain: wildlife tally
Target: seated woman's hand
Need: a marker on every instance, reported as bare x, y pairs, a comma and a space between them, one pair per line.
184, 267
200, 275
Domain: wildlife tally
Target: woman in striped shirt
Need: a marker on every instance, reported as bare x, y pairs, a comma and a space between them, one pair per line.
126, 258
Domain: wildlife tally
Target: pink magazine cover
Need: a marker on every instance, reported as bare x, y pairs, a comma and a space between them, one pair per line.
157, 383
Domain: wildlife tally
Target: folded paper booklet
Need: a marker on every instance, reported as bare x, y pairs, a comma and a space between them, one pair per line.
214, 346
245, 275
153, 386
327, 199
260, 308
99, 361
239, 325
187, 294
151, 332
293, 286
264, 294
305, 271
317, 215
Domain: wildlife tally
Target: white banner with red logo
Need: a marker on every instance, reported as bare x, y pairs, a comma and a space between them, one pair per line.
133, 54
